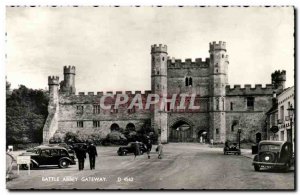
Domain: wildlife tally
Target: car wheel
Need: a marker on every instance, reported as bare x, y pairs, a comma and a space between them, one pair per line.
63, 163
256, 167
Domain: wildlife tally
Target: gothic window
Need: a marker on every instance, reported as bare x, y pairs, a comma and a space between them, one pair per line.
96, 123
163, 58
157, 72
217, 131
80, 124
234, 123
217, 71
217, 104
190, 81
231, 105
223, 104
96, 109
250, 103
79, 110
186, 81
222, 55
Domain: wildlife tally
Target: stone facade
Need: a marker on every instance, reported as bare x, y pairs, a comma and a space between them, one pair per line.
223, 108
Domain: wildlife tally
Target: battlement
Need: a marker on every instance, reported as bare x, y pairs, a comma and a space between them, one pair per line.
53, 80
188, 63
247, 89
217, 46
278, 75
69, 69
101, 93
159, 48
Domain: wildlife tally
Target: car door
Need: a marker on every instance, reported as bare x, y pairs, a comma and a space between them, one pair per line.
45, 157
55, 156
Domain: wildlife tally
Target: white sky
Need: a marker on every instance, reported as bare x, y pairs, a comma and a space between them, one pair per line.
110, 47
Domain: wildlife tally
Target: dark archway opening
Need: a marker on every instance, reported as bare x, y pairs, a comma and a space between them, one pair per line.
258, 137
202, 136
181, 131
114, 127
130, 127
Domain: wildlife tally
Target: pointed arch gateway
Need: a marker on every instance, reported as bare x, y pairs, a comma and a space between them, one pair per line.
181, 130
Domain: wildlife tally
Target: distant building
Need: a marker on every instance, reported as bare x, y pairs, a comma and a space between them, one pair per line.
280, 123
223, 109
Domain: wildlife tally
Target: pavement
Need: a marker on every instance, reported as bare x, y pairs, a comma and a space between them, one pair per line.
183, 166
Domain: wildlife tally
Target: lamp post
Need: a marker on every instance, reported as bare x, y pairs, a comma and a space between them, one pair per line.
291, 115
239, 134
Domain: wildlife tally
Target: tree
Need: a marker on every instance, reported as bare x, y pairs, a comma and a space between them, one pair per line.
26, 112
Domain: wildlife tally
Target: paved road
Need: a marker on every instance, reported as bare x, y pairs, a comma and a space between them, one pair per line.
184, 166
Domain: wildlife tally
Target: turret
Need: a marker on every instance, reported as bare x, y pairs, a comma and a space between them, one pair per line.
53, 82
68, 84
218, 80
159, 58
278, 80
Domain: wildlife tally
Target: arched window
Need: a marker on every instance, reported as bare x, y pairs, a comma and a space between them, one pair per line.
130, 127
114, 127
186, 81
190, 81
163, 58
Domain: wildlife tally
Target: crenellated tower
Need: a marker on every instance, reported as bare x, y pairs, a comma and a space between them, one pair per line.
68, 84
278, 80
218, 80
51, 124
159, 58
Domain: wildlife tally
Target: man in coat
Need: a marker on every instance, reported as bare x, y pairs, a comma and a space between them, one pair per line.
81, 155
92, 151
149, 146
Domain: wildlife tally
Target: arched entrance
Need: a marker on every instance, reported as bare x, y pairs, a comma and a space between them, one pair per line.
258, 137
130, 127
181, 131
114, 127
202, 136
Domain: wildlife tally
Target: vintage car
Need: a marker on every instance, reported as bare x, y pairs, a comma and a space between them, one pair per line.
273, 154
130, 148
49, 155
231, 148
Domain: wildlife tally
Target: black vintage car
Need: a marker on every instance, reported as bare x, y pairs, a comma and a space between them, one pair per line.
273, 154
48, 155
231, 148
130, 148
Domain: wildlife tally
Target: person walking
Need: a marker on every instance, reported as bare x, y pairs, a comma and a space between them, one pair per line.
159, 150
81, 155
136, 149
92, 151
149, 146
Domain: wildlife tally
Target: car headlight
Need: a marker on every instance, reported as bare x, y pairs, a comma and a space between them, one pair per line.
267, 158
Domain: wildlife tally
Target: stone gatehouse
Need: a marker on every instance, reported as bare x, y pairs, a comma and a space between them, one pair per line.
223, 108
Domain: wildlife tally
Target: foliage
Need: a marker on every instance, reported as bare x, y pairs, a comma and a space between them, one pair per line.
26, 112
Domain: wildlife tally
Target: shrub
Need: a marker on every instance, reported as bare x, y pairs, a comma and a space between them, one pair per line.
115, 138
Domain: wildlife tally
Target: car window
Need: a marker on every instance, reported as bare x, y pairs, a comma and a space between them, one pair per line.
45, 153
63, 153
54, 152
270, 147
